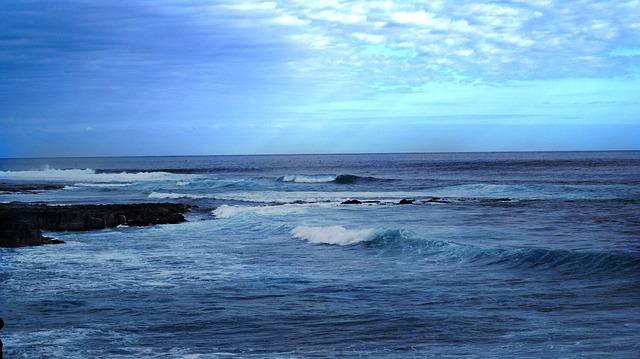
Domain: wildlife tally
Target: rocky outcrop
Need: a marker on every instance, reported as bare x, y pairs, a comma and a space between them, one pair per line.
22, 234
27, 188
21, 224
355, 201
406, 201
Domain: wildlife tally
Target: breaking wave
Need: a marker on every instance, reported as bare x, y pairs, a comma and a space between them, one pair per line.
202, 170
338, 179
307, 178
89, 175
566, 261
333, 235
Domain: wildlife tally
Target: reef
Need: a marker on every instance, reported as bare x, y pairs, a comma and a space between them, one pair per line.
21, 224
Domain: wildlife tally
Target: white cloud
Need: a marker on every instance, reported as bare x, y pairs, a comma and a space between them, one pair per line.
344, 18
252, 6
289, 20
313, 40
519, 38
370, 38
423, 18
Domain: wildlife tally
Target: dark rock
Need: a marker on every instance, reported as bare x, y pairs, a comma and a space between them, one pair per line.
355, 201
28, 187
19, 234
48, 240
406, 201
21, 224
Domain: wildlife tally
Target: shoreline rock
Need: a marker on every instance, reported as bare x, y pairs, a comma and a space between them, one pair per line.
6, 187
21, 224
355, 201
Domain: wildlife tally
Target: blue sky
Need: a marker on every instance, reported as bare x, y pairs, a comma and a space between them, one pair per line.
168, 77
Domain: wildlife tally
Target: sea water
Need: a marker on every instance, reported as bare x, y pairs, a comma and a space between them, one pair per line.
500, 255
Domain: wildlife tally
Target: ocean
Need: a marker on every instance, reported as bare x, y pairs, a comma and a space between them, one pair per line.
527, 255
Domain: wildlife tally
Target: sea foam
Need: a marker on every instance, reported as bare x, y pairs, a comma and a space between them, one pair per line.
308, 178
333, 235
227, 211
171, 195
89, 175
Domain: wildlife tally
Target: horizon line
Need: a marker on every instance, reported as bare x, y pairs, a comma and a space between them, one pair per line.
318, 154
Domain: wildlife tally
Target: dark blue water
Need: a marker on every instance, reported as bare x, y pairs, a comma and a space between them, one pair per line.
501, 255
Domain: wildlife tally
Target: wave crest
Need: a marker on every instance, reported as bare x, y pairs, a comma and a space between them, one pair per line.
89, 175
338, 179
333, 235
171, 195
565, 261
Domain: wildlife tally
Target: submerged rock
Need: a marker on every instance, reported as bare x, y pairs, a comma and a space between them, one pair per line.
21, 224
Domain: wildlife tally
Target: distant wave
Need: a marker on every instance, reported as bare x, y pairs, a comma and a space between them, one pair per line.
282, 197
108, 185
578, 263
210, 183
307, 178
181, 170
338, 179
323, 198
88, 175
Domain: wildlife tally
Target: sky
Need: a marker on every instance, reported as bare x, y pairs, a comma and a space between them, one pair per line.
169, 77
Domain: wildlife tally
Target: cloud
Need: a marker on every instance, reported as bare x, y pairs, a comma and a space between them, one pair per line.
492, 40
252, 6
363, 45
289, 20
370, 38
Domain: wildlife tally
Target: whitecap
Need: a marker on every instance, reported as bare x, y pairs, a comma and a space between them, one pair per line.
90, 175
308, 178
172, 195
227, 211
338, 235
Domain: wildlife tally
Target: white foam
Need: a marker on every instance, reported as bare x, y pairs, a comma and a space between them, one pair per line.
308, 179
106, 185
226, 211
171, 195
90, 175
332, 235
